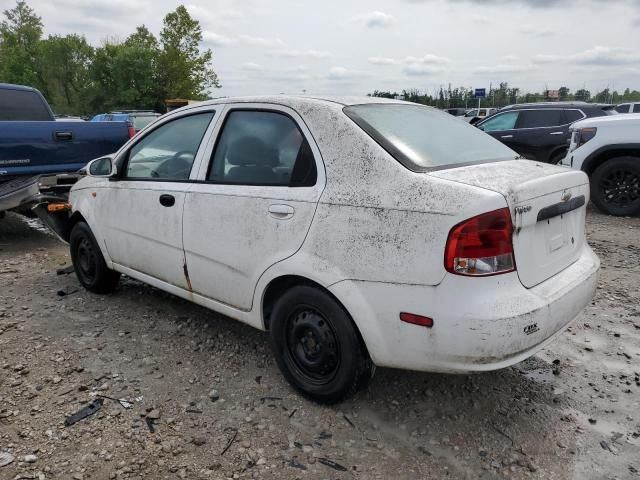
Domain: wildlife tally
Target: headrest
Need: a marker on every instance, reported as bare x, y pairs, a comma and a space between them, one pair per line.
252, 151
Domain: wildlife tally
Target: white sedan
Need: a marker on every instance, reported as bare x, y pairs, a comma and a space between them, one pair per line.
357, 231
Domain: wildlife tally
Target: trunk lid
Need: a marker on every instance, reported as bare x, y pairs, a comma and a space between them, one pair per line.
548, 208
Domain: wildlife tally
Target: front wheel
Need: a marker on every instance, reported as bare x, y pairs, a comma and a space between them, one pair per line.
615, 186
317, 346
88, 262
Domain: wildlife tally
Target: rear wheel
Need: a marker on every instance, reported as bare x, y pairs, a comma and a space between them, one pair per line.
317, 346
615, 186
88, 262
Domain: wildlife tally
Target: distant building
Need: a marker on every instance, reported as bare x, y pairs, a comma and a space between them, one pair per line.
175, 103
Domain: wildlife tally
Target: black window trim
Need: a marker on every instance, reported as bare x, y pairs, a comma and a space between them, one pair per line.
396, 153
121, 172
563, 110
231, 109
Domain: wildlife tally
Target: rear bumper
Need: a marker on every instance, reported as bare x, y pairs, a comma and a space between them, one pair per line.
480, 324
25, 192
17, 191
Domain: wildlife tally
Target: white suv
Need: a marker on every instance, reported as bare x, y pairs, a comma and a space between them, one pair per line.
608, 150
358, 232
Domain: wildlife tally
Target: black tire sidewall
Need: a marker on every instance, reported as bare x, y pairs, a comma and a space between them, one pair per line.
104, 279
354, 363
632, 163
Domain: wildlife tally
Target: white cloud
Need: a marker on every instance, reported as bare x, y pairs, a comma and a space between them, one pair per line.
596, 57
383, 61
260, 41
344, 74
292, 52
424, 66
251, 66
501, 68
539, 31
377, 19
218, 40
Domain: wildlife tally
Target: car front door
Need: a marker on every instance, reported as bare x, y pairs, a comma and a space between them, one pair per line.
502, 127
141, 211
254, 203
542, 134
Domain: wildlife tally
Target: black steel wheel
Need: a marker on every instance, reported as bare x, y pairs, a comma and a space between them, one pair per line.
615, 186
88, 262
317, 346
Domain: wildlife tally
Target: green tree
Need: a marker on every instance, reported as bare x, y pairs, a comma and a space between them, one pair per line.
583, 95
20, 34
63, 64
184, 70
564, 93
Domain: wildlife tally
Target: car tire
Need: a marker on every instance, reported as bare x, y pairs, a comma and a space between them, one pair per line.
317, 346
615, 186
88, 262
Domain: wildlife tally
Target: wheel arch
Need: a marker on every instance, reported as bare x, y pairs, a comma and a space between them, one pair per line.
600, 156
278, 285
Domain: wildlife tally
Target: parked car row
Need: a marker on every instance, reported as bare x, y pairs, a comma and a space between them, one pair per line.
344, 231
34, 143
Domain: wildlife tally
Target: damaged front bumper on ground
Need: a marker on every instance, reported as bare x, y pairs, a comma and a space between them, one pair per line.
500, 324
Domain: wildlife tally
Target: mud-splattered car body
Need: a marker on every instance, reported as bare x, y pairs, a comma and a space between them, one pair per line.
368, 230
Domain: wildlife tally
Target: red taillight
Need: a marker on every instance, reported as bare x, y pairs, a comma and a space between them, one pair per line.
481, 245
132, 130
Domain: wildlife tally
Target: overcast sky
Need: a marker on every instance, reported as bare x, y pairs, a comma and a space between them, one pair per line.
356, 46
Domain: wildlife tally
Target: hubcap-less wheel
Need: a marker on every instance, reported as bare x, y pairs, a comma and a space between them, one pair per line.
312, 345
86, 258
620, 188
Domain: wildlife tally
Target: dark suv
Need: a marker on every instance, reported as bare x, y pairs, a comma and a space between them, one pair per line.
540, 131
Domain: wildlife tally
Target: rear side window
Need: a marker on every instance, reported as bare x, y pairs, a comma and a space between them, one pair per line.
540, 118
624, 108
573, 116
422, 138
636, 108
23, 105
262, 148
504, 121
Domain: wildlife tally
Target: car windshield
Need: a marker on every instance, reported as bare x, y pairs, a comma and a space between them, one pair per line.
422, 138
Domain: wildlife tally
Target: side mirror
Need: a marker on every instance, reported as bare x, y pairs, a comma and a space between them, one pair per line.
102, 167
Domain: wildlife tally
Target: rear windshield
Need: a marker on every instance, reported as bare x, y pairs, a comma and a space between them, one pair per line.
422, 138
140, 122
23, 105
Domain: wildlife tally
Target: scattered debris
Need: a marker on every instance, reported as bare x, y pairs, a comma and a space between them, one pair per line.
332, 464
5, 459
150, 424
67, 291
65, 270
293, 463
84, 412
214, 395
233, 438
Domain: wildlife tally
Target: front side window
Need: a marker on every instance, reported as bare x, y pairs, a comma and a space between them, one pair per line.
168, 152
504, 121
262, 148
573, 115
422, 138
540, 118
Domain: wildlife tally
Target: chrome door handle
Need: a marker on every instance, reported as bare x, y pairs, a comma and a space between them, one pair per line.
556, 133
506, 136
281, 212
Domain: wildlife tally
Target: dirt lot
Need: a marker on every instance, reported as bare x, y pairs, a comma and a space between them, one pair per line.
573, 411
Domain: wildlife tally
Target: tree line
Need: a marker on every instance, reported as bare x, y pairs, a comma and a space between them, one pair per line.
140, 72
503, 95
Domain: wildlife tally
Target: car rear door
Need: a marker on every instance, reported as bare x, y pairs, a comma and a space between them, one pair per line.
140, 213
502, 127
254, 201
542, 133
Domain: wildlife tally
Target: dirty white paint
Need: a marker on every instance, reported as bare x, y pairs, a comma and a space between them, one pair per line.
370, 231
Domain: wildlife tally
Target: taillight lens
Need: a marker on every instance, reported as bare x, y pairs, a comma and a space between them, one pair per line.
584, 135
132, 130
481, 245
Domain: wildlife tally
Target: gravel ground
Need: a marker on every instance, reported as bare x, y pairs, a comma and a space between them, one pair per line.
207, 401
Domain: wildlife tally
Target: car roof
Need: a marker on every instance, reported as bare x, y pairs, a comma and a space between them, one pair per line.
296, 100
626, 118
552, 105
11, 86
